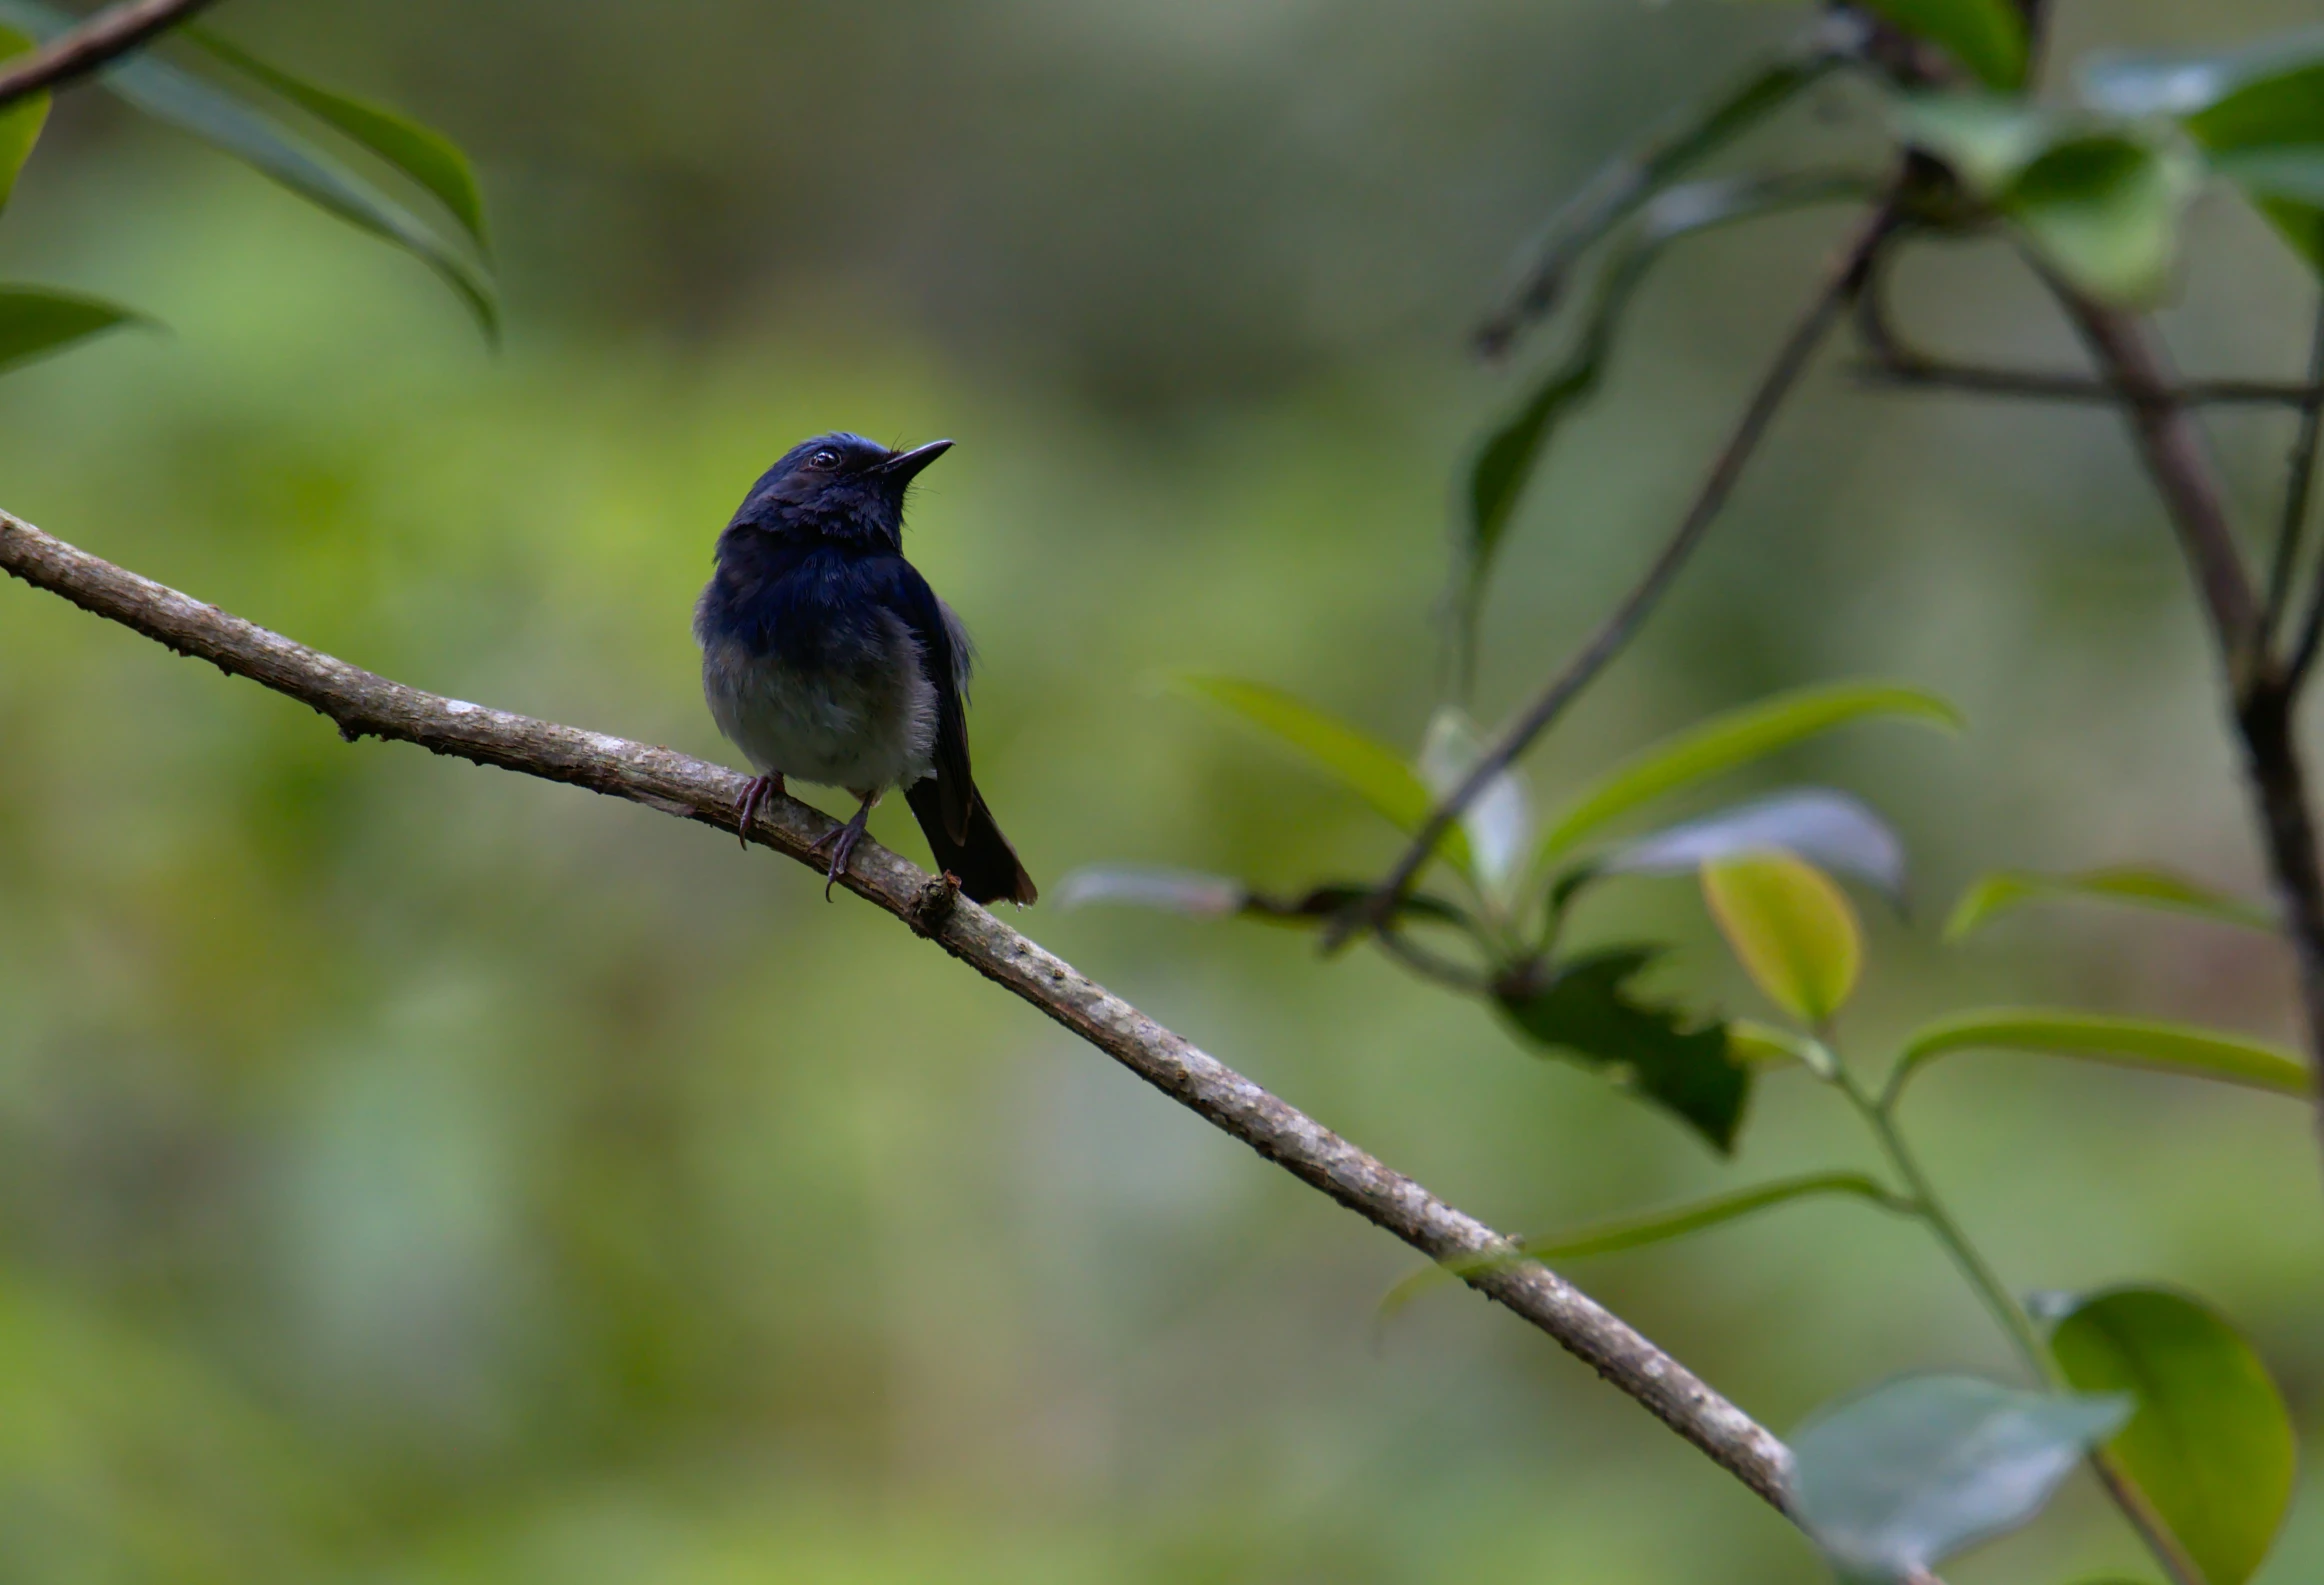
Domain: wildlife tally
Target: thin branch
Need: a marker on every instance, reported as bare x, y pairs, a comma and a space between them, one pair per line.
362, 704
2261, 695
78, 51
2299, 486
2036, 385
1845, 279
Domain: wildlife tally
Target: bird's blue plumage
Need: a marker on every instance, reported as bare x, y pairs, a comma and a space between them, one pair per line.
827, 657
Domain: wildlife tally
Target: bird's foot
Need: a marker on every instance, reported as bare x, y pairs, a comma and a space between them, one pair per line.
756, 796
842, 840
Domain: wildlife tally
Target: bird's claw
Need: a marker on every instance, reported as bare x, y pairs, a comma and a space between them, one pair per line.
756, 795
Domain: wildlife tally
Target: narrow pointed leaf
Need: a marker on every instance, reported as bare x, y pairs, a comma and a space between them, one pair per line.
1998, 893
1655, 1227
425, 155
1791, 928
179, 99
1986, 36
1627, 181
1727, 741
1829, 829
1901, 1477
1585, 1009
2211, 1444
1762, 1046
21, 122
1512, 453
1363, 765
35, 322
2122, 1042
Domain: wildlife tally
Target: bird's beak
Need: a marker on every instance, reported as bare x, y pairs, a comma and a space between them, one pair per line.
904, 464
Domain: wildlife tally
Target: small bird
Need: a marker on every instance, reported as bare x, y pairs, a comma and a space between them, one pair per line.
827, 657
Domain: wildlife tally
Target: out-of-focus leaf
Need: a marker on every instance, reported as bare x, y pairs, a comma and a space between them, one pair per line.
2098, 201
1730, 740
21, 122
1627, 181
2123, 1042
1584, 1008
1901, 1477
1986, 36
1201, 896
1499, 820
2003, 890
1791, 928
422, 153
35, 322
2211, 1445
1758, 1045
184, 101
1498, 477
1654, 1227
1829, 829
1364, 765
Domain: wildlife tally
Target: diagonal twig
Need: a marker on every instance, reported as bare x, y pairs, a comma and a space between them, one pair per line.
2040, 385
103, 38
362, 704
1845, 279
2299, 488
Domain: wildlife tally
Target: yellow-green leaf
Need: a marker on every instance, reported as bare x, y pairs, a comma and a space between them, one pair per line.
1732, 739
2210, 1445
21, 122
2123, 1042
1364, 765
1791, 927
2146, 887
1986, 36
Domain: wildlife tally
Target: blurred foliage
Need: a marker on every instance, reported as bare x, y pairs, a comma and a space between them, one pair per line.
412, 1173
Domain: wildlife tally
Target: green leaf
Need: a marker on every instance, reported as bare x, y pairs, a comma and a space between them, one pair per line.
2098, 201
1986, 36
1623, 184
1901, 1477
1513, 452
1758, 1045
1583, 1007
35, 322
2258, 112
1365, 766
1499, 820
1792, 929
2211, 1445
2003, 890
1829, 829
184, 101
20, 123
2103, 210
425, 155
2092, 1037
1727, 741
1655, 1227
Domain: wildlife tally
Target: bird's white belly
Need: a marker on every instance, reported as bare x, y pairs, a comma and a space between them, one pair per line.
866, 728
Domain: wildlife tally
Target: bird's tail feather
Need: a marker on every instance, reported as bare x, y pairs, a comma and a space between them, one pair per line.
986, 865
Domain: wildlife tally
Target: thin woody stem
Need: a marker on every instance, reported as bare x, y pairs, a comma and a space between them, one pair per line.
96, 43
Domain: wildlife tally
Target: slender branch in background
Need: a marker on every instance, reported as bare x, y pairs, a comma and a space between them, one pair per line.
362, 704
2034, 385
102, 39
2299, 487
1845, 279
2261, 693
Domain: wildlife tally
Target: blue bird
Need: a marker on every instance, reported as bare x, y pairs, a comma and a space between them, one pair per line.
827, 657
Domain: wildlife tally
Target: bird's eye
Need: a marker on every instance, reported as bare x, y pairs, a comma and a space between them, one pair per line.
826, 458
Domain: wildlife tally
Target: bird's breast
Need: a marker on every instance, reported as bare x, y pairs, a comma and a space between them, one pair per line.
840, 702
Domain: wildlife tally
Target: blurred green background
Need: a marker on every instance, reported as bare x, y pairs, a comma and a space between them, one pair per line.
410, 1172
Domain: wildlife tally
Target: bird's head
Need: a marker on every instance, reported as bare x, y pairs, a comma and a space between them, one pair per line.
837, 487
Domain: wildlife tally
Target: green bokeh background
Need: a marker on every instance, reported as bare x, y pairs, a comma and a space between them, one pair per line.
414, 1173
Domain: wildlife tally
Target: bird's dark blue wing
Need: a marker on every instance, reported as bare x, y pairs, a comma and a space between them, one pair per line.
899, 586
